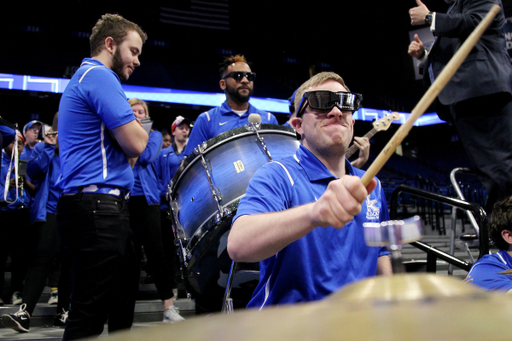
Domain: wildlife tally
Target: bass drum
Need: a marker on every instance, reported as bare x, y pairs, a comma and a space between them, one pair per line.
205, 192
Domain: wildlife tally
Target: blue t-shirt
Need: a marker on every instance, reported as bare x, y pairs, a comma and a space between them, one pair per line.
220, 119
325, 259
92, 105
485, 272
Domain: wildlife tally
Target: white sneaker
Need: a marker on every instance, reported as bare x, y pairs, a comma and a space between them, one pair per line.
16, 298
172, 315
60, 319
54, 297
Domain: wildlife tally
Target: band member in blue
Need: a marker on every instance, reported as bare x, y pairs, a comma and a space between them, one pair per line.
99, 137
302, 216
237, 82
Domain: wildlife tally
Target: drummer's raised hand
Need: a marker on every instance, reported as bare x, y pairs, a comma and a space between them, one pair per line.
341, 202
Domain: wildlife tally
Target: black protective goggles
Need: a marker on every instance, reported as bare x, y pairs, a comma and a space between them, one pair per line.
325, 100
239, 75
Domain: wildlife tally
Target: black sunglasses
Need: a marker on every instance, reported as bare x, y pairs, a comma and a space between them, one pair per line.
239, 75
326, 100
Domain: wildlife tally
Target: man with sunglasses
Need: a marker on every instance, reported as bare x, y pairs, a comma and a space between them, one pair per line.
237, 82
362, 143
302, 216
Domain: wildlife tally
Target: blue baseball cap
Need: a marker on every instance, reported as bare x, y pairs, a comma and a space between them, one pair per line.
30, 124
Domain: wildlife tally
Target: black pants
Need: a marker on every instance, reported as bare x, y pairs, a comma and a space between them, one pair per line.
14, 232
47, 247
147, 232
95, 229
170, 249
484, 125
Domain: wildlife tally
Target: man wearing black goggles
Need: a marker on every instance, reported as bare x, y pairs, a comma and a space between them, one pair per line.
314, 204
324, 100
240, 75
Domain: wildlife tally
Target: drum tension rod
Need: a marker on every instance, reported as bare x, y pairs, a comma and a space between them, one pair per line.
261, 141
215, 195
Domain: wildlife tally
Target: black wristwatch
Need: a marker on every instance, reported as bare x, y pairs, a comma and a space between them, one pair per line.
428, 18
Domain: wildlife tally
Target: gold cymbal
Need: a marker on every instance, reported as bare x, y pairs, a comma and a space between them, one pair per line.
419, 308
404, 287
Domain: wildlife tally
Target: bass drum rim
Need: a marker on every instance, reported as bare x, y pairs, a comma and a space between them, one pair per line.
221, 139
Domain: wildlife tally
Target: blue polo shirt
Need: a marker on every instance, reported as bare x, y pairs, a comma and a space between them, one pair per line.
325, 259
220, 119
92, 105
485, 272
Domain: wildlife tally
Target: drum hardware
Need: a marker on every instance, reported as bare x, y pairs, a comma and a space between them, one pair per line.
182, 254
260, 139
201, 148
179, 231
214, 190
393, 234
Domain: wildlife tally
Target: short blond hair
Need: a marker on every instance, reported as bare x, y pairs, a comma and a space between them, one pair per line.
134, 101
317, 79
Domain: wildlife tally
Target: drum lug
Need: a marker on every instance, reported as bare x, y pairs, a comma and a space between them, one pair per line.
218, 218
201, 148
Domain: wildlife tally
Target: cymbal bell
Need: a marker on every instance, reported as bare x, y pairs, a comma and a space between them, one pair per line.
399, 307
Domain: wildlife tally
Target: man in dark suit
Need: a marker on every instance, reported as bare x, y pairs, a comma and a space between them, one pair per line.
478, 98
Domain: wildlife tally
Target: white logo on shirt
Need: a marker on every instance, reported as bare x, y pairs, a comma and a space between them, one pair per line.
222, 123
372, 212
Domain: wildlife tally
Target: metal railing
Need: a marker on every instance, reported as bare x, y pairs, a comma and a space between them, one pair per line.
432, 253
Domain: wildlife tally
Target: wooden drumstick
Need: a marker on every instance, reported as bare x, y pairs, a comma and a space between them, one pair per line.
430, 95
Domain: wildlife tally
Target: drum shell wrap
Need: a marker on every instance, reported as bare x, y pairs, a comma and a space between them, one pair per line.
232, 158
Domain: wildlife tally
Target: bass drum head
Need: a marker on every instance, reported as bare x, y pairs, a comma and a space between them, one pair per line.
231, 160
227, 163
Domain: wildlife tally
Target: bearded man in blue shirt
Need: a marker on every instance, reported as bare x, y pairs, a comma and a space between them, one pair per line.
302, 216
237, 82
99, 137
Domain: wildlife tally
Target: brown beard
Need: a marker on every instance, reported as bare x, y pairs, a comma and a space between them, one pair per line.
117, 65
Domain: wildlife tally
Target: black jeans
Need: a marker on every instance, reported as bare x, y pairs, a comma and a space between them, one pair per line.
14, 241
147, 231
47, 247
95, 229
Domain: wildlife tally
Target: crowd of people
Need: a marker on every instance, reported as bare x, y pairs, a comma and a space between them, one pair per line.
99, 206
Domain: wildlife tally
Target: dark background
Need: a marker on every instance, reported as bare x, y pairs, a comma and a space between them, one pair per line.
363, 41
